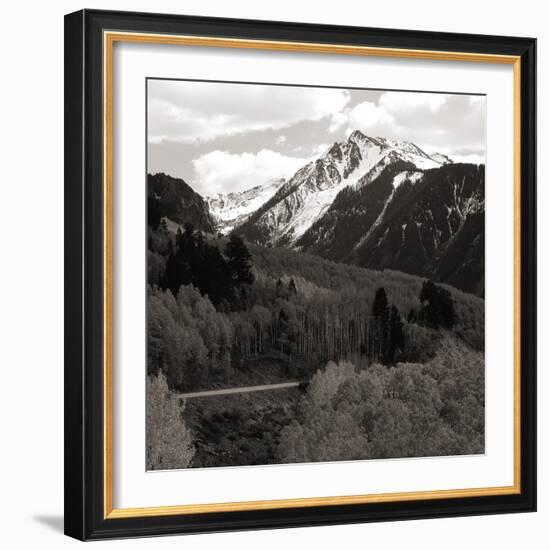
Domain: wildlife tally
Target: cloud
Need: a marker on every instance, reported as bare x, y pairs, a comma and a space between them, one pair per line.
224, 172
441, 121
201, 111
469, 159
407, 105
337, 120
319, 149
224, 137
368, 115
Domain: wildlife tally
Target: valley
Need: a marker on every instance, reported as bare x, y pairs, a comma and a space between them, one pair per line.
344, 299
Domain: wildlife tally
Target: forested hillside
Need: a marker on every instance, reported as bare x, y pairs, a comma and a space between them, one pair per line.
225, 313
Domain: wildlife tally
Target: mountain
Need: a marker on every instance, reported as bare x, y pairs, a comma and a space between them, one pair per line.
431, 224
371, 202
382, 204
178, 203
355, 213
441, 158
231, 210
428, 223
306, 196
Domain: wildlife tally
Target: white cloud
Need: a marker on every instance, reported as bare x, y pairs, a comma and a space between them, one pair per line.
367, 117
469, 159
223, 172
438, 121
404, 103
200, 130
393, 116
201, 111
319, 149
337, 120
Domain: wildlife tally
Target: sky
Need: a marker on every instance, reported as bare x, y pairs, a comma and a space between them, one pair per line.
225, 137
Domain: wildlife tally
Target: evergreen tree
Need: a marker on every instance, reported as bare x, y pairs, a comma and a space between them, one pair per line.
437, 306
153, 211
239, 272
381, 313
186, 244
281, 290
380, 307
177, 273
397, 340
212, 275
292, 288
239, 260
196, 262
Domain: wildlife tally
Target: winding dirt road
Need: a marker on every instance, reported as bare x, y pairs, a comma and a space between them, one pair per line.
245, 389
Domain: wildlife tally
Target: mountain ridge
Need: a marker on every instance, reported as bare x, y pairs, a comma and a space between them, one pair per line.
232, 209
307, 195
370, 202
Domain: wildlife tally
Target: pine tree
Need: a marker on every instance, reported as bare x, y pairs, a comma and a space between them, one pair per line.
381, 313
397, 340
292, 288
153, 211
280, 289
239, 260
437, 306
176, 274
380, 307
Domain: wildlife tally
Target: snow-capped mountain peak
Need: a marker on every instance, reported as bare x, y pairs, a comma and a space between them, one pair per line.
297, 203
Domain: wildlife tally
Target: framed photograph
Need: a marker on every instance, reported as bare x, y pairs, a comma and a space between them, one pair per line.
300, 274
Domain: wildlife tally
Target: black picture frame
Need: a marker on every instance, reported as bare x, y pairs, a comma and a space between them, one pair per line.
84, 282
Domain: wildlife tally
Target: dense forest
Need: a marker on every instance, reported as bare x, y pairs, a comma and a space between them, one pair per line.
389, 364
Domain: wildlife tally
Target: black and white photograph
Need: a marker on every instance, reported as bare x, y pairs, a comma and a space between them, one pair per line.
315, 274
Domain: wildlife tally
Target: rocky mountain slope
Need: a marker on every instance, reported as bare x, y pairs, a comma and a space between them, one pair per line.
232, 209
307, 195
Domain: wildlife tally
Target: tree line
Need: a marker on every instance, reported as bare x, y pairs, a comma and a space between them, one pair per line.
209, 314
196, 345
224, 277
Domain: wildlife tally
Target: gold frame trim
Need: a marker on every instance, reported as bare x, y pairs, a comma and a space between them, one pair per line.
109, 39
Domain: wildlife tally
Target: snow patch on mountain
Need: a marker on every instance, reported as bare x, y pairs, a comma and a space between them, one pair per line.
407, 175
376, 223
313, 207
232, 209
